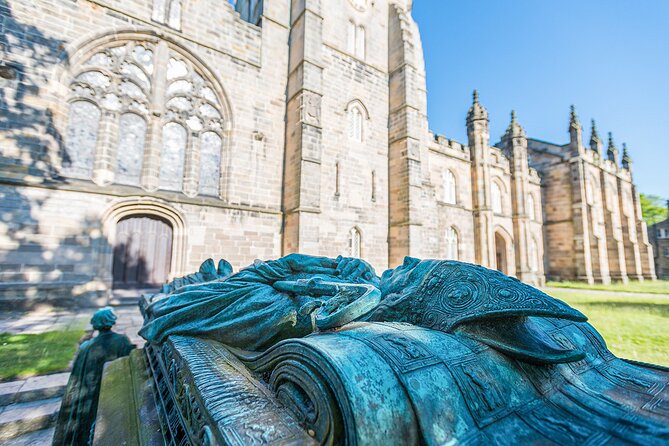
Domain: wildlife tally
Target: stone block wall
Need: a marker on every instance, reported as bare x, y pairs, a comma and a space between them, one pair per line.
299, 128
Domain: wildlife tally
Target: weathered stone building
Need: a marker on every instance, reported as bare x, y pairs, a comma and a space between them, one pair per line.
593, 225
141, 136
659, 237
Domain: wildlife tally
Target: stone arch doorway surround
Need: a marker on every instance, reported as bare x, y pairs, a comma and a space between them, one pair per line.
504, 261
152, 210
142, 252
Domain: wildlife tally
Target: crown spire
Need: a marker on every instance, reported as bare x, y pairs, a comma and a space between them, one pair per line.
593, 130
627, 160
514, 129
573, 118
476, 111
576, 147
595, 141
612, 152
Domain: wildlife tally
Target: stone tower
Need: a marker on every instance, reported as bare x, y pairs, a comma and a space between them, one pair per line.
478, 136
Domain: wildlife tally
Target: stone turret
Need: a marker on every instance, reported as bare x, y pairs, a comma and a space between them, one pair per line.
596, 143
476, 112
514, 129
479, 145
575, 134
627, 159
612, 151
514, 145
514, 141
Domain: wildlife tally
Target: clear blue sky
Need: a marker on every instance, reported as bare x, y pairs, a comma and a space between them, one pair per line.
608, 57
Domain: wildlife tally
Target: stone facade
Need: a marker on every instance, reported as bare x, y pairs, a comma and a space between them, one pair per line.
256, 130
593, 227
659, 237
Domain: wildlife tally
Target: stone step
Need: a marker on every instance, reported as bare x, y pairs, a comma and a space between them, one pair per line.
33, 389
38, 438
20, 419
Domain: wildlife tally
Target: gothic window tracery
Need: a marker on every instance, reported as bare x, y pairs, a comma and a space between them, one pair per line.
130, 149
114, 81
451, 244
82, 133
172, 156
111, 98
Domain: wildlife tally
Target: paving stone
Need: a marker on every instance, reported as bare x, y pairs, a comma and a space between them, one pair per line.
20, 418
38, 438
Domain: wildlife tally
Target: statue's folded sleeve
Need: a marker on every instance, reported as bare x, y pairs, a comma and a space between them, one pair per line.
243, 311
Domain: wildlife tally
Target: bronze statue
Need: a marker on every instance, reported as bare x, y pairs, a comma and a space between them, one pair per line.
432, 352
79, 405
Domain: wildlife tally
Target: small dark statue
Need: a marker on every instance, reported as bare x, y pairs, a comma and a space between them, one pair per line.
315, 350
80, 402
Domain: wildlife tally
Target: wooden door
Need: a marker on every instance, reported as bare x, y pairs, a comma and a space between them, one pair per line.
142, 252
500, 253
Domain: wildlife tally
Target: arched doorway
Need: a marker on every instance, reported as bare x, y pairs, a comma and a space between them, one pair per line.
500, 253
142, 252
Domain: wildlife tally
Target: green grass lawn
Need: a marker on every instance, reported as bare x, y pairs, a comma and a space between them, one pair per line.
653, 287
25, 355
634, 327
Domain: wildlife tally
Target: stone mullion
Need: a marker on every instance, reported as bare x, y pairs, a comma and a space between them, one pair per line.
191, 180
106, 147
152, 147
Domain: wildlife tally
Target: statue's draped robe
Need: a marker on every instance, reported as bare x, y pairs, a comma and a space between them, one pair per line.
427, 379
80, 402
243, 310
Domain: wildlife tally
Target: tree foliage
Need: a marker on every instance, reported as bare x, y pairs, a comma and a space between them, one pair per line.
653, 208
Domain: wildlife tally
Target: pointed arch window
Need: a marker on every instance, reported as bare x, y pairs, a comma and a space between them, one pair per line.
111, 91
210, 163
355, 243
82, 135
533, 254
130, 149
355, 122
451, 244
496, 197
531, 210
172, 156
449, 187
360, 43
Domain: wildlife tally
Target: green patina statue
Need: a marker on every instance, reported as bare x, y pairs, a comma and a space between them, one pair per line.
80, 402
314, 350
